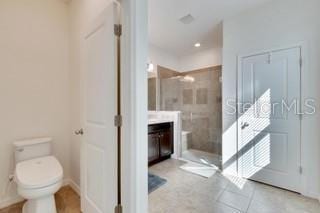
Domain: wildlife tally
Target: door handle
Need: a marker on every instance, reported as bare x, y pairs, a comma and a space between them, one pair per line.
79, 132
244, 125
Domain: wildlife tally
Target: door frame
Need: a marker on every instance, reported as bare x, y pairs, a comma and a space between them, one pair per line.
134, 54
304, 148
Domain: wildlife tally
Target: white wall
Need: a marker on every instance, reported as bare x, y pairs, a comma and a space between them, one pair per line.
203, 59
158, 56
277, 24
34, 81
183, 63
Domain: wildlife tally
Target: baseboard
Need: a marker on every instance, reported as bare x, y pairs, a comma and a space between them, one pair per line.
313, 195
10, 201
73, 185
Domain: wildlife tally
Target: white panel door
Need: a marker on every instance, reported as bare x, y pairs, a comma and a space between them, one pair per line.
268, 133
99, 148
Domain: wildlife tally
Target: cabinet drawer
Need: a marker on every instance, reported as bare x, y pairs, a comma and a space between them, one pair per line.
159, 127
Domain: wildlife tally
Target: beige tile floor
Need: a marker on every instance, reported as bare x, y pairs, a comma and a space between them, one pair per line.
188, 193
67, 201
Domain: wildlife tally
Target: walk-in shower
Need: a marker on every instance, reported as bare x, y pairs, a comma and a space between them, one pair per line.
197, 94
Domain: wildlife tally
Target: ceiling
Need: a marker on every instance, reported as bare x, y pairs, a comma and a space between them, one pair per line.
168, 33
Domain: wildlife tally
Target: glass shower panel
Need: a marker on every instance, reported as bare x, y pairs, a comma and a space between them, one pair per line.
197, 94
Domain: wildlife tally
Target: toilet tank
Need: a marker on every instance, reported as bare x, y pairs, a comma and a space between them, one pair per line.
32, 148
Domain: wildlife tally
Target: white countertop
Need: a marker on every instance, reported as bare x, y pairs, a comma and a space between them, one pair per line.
158, 121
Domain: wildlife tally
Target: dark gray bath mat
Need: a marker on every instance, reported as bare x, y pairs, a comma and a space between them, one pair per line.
154, 182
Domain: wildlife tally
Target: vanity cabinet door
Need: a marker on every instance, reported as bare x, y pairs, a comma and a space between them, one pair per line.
153, 147
166, 143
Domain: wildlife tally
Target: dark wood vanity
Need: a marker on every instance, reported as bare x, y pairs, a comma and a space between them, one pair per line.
160, 142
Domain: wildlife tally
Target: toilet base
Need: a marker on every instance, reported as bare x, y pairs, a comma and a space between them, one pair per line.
44, 204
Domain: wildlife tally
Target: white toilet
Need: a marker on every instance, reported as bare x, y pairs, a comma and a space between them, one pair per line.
38, 175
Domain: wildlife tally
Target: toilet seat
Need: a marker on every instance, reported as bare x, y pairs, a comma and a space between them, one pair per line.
38, 172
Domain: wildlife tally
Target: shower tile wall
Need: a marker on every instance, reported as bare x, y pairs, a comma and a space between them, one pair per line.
198, 97
152, 94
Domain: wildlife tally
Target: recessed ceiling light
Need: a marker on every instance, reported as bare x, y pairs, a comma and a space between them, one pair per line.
197, 44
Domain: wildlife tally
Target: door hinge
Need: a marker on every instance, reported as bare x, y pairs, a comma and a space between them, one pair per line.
118, 29
269, 58
300, 169
300, 116
118, 209
118, 120
300, 62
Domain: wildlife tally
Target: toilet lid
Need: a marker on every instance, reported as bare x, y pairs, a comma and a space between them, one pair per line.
38, 172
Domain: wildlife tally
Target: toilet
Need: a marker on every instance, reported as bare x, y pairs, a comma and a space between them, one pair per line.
38, 175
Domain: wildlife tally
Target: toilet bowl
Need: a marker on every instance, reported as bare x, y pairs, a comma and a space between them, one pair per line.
37, 177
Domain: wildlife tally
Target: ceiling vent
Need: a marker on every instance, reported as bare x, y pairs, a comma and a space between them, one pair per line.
188, 19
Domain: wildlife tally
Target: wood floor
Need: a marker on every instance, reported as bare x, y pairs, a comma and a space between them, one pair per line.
67, 201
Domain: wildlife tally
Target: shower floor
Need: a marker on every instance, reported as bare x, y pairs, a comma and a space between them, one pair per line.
202, 157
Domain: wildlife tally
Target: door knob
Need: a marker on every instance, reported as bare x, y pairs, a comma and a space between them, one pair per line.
244, 125
79, 132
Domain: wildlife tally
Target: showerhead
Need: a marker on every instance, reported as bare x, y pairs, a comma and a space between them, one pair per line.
183, 78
